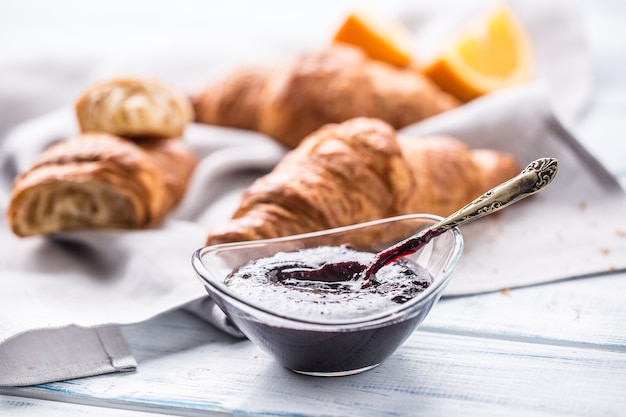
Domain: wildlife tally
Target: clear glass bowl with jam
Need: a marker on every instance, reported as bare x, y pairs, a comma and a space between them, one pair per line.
330, 328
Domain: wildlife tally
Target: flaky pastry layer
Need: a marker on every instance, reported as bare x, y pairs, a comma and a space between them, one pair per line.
101, 181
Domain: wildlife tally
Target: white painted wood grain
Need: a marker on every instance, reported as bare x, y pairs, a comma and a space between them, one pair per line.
586, 312
438, 374
494, 354
29, 407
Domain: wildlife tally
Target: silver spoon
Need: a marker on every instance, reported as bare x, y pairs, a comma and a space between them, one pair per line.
535, 177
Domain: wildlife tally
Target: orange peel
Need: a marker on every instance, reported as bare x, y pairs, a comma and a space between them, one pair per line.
379, 37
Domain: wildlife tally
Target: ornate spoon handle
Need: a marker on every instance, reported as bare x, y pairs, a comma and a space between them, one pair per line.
532, 179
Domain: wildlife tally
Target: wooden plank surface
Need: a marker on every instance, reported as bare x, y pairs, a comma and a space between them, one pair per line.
11, 406
585, 312
557, 349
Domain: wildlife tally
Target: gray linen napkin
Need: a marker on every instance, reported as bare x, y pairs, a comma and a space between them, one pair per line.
72, 282
58, 354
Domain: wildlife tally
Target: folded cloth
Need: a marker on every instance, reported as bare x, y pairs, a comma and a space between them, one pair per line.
91, 278
61, 291
59, 354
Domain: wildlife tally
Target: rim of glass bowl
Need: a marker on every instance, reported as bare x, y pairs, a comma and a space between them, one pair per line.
372, 320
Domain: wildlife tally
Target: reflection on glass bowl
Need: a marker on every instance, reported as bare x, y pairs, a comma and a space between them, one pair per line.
330, 347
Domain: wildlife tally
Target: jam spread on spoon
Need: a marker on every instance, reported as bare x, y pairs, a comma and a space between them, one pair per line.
355, 269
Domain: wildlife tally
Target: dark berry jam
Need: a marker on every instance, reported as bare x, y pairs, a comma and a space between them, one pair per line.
328, 349
331, 297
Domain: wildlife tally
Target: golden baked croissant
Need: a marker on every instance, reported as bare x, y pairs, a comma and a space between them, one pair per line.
359, 171
336, 84
97, 180
134, 108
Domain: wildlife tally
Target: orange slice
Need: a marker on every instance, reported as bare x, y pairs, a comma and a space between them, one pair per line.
380, 38
492, 53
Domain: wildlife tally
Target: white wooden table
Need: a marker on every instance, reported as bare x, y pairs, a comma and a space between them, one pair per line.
556, 349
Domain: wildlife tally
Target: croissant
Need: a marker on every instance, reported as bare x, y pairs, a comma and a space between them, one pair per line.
98, 180
360, 171
287, 102
133, 108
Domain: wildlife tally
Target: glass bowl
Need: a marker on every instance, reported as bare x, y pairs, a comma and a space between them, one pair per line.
322, 347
